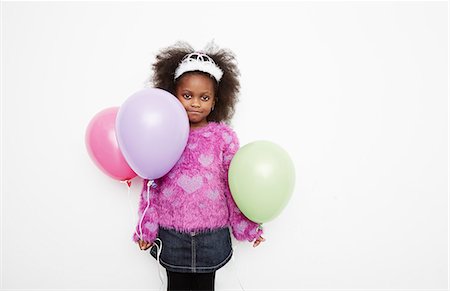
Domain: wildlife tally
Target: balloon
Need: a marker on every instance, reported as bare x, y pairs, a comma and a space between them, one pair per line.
101, 144
261, 179
152, 131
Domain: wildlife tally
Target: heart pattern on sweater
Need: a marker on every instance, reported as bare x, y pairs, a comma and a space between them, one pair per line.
227, 137
190, 185
192, 146
213, 194
151, 226
252, 231
209, 176
241, 226
167, 192
205, 160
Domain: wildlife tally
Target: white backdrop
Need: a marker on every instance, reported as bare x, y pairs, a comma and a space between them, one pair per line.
355, 92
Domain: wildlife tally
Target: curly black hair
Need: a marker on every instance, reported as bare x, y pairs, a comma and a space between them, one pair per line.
227, 90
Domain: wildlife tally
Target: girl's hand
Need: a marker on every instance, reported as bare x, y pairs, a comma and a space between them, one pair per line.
144, 245
258, 241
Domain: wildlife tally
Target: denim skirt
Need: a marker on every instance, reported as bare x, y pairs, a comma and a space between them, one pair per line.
194, 252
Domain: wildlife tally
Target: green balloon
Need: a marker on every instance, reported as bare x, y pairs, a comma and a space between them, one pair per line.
261, 179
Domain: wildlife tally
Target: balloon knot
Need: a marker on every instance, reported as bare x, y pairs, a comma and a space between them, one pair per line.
151, 183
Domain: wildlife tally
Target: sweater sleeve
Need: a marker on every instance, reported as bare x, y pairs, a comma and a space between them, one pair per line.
149, 223
242, 227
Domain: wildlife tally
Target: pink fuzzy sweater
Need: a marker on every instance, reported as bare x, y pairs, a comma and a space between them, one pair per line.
194, 195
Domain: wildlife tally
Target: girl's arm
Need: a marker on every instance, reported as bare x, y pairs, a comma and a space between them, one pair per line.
242, 227
149, 225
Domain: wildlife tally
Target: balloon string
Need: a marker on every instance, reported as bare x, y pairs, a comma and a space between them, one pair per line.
235, 269
130, 207
158, 258
149, 183
159, 248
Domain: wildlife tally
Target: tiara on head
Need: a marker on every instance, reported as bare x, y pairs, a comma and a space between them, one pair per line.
198, 62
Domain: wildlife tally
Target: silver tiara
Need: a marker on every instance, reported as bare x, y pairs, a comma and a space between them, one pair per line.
198, 62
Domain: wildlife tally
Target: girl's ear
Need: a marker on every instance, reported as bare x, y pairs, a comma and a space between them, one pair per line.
213, 103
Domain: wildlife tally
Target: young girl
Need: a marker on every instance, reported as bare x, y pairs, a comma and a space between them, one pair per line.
191, 207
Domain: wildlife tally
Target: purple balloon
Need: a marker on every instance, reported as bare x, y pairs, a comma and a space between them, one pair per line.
152, 130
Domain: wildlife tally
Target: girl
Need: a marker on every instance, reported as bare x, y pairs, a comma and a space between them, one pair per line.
191, 207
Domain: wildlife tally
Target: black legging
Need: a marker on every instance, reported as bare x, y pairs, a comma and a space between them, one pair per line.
190, 281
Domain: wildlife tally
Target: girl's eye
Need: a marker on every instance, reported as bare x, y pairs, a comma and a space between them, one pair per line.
186, 96
205, 98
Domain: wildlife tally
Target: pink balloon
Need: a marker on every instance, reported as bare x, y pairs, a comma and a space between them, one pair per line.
152, 130
101, 144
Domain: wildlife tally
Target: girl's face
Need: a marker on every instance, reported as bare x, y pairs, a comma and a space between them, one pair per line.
196, 92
